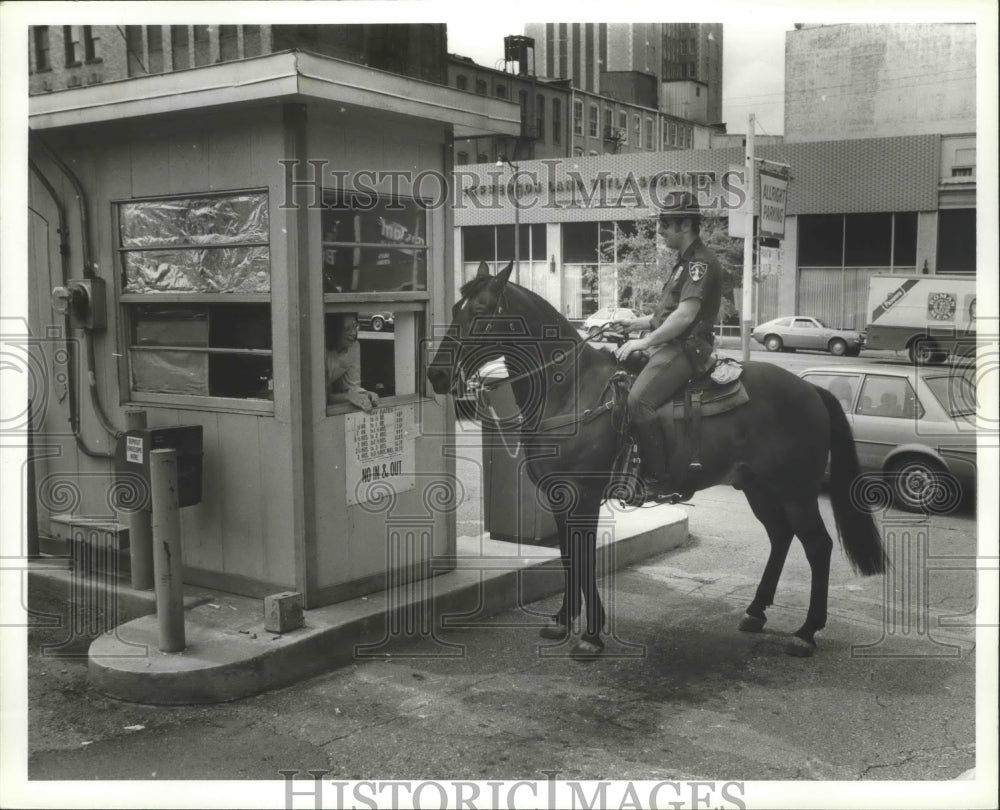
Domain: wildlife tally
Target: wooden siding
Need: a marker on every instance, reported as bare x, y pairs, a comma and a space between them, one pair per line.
240, 531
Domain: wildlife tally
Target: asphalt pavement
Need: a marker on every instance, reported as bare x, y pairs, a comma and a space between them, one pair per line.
679, 694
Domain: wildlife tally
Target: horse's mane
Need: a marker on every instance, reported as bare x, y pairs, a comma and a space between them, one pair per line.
537, 306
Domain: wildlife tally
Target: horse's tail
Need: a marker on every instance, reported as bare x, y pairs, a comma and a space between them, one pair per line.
858, 532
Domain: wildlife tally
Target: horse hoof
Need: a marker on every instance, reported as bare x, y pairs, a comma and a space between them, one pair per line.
800, 648
585, 650
752, 624
554, 631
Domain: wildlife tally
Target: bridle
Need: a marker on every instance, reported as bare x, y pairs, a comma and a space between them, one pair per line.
554, 422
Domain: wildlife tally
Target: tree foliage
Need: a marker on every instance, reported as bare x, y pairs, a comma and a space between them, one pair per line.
644, 267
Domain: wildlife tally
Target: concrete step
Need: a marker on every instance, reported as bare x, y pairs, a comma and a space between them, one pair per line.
229, 654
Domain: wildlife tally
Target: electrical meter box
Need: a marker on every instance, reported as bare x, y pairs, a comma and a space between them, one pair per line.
134, 448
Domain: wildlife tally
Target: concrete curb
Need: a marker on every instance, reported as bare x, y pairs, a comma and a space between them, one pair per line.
229, 655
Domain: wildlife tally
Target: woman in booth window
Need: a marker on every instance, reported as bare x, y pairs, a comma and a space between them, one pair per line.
343, 363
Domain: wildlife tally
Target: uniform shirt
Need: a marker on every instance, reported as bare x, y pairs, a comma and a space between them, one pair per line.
698, 274
343, 370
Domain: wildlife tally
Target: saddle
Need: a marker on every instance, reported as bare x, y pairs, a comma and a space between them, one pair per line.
715, 391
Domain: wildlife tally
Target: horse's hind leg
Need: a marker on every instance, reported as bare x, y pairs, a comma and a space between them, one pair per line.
771, 513
808, 525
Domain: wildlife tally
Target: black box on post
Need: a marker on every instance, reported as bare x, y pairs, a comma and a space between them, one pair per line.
134, 447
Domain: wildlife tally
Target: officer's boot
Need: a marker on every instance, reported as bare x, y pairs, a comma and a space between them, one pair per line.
648, 434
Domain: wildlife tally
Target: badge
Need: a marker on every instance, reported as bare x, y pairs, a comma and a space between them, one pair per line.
697, 270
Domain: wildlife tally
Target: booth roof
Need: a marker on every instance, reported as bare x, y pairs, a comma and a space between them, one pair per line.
290, 74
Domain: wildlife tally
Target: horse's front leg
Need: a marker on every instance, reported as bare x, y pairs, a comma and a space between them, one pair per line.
558, 626
582, 529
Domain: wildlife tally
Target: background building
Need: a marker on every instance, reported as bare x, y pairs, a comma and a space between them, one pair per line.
587, 110
67, 56
871, 80
617, 59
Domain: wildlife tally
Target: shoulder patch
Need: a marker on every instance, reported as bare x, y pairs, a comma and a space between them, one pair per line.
697, 270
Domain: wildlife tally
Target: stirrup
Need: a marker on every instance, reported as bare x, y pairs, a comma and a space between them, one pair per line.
660, 492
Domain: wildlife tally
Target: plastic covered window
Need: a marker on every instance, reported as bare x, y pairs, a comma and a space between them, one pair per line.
214, 244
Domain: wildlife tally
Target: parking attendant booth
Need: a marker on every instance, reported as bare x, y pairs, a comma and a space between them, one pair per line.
229, 214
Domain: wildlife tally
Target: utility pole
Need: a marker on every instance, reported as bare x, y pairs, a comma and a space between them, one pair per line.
748, 241
517, 215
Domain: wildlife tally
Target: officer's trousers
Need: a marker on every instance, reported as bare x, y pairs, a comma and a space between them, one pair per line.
665, 374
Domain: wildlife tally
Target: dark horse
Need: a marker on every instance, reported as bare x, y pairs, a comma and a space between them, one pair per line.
774, 448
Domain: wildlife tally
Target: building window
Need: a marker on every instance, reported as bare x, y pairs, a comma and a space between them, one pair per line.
578, 116
609, 122
40, 35
540, 116
196, 292
91, 45
154, 48
623, 125
72, 45
481, 87
878, 240
180, 49
378, 245
594, 123
650, 140
373, 248
252, 45
591, 252
637, 130
462, 82
134, 50
494, 244
556, 120
202, 45
956, 241
229, 43
501, 91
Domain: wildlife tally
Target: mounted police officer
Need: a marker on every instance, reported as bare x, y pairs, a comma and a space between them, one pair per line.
680, 339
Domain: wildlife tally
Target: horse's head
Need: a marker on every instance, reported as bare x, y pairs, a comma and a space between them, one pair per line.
471, 339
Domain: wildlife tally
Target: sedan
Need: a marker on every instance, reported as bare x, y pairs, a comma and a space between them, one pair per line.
376, 321
917, 426
802, 332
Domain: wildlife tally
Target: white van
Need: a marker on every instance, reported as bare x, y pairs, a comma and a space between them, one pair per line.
928, 316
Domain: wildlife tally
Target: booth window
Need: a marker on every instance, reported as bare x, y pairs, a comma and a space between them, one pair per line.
196, 290
375, 255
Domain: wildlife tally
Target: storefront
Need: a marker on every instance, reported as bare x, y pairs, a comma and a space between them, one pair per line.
226, 215
855, 209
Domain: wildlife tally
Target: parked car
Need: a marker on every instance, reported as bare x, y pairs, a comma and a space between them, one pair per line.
915, 425
376, 321
467, 400
803, 332
594, 323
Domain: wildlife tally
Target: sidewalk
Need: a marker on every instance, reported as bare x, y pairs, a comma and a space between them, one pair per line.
230, 655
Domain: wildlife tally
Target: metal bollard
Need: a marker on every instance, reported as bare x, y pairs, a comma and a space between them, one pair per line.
140, 528
167, 562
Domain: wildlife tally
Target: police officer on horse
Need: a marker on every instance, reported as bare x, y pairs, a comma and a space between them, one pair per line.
680, 339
